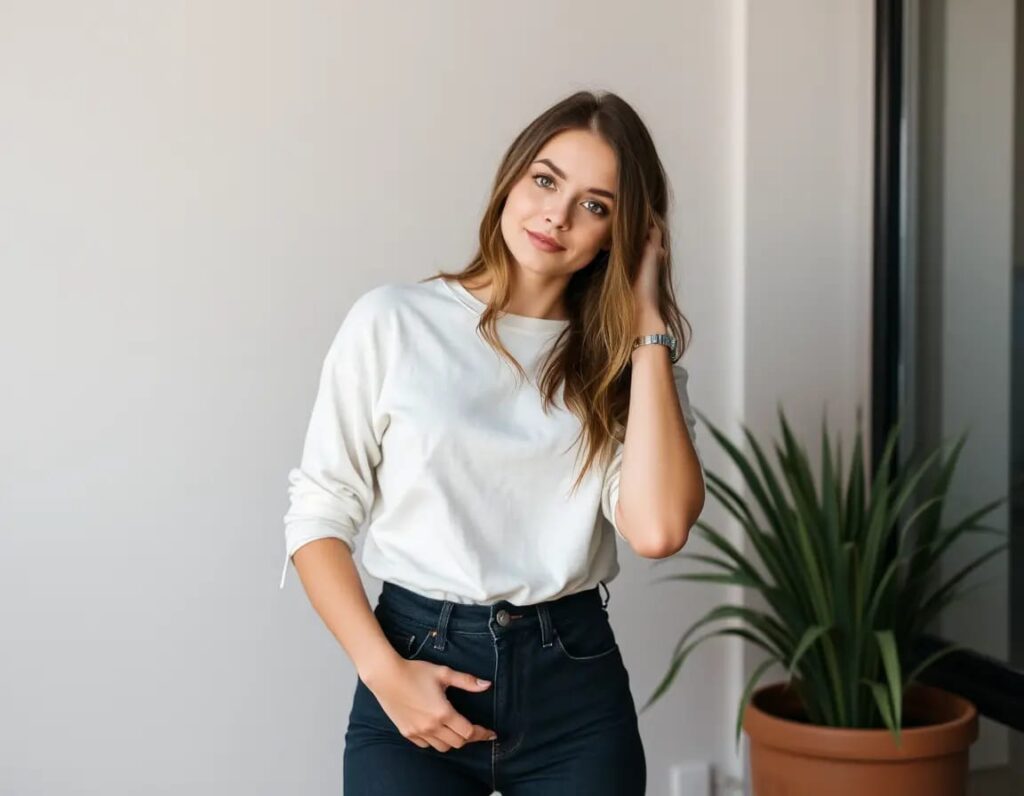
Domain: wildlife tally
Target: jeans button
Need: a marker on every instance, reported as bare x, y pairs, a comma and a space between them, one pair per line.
502, 617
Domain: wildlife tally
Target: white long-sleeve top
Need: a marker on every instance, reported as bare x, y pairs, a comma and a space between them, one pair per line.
420, 432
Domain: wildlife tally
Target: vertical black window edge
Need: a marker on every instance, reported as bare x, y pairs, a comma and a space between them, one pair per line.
885, 349
995, 687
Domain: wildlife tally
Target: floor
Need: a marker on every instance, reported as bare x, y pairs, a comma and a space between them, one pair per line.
1005, 780
993, 782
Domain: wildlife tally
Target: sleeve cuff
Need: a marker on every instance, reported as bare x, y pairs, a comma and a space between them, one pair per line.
614, 502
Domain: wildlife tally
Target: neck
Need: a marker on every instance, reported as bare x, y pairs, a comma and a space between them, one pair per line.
544, 301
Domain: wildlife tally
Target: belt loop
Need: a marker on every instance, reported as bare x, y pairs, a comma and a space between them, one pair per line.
608, 593
545, 625
441, 634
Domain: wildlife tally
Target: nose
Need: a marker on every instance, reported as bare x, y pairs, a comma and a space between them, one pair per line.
556, 214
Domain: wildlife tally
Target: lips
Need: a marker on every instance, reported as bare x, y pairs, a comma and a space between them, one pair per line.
544, 242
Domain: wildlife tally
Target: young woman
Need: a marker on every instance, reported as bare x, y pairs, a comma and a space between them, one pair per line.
446, 416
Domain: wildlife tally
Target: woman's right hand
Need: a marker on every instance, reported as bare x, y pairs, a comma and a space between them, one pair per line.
412, 695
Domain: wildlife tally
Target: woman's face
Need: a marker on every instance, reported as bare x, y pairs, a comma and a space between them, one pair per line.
569, 198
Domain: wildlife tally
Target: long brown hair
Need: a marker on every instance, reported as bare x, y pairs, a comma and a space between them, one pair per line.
591, 357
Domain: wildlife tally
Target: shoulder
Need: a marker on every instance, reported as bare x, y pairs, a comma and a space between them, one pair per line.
362, 325
380, 317
374, 310
376, 303
390, 299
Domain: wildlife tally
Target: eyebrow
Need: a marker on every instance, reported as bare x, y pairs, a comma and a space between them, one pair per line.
561, 175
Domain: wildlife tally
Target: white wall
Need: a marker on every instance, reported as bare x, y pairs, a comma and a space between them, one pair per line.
192, 196
807, 230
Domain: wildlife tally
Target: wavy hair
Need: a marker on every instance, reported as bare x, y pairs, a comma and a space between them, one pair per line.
591, 356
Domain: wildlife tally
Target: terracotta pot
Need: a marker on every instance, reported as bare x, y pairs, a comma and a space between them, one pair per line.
789, 757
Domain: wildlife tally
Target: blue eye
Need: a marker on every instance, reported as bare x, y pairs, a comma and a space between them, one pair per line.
602, 208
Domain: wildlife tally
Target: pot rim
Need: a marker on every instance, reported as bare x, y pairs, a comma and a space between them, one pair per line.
932, 740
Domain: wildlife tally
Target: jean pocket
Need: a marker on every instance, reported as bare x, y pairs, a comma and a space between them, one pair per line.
585, 639
407, 640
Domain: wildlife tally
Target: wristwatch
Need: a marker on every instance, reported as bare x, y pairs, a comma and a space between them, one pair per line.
664, 339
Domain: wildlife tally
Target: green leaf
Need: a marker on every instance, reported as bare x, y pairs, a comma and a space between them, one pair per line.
747, 692
948, 536
918, 513
764, 545
839, 607
940, 489
679, 659
718, 613
797, 470
712, 560
881, 696
891, 663
855, 485
819, 596
830, 496
936, 601
726, 547
810, 636
919, 669
731, 579
750, 477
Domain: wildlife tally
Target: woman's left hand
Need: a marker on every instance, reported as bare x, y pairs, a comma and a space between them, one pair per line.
646, 284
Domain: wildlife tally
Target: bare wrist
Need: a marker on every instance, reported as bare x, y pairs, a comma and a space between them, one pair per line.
379, 665
649, 322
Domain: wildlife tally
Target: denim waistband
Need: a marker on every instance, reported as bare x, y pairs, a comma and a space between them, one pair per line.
403, 602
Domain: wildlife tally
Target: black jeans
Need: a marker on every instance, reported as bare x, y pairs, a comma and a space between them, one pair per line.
559, 702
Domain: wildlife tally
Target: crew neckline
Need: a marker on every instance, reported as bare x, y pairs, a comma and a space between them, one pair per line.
524, 322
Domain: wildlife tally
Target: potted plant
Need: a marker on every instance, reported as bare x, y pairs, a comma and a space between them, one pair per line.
846, 580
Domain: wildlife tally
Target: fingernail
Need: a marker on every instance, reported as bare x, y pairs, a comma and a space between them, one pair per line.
492, 738
482, 682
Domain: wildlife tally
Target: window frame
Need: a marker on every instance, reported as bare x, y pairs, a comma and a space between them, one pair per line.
995, 687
